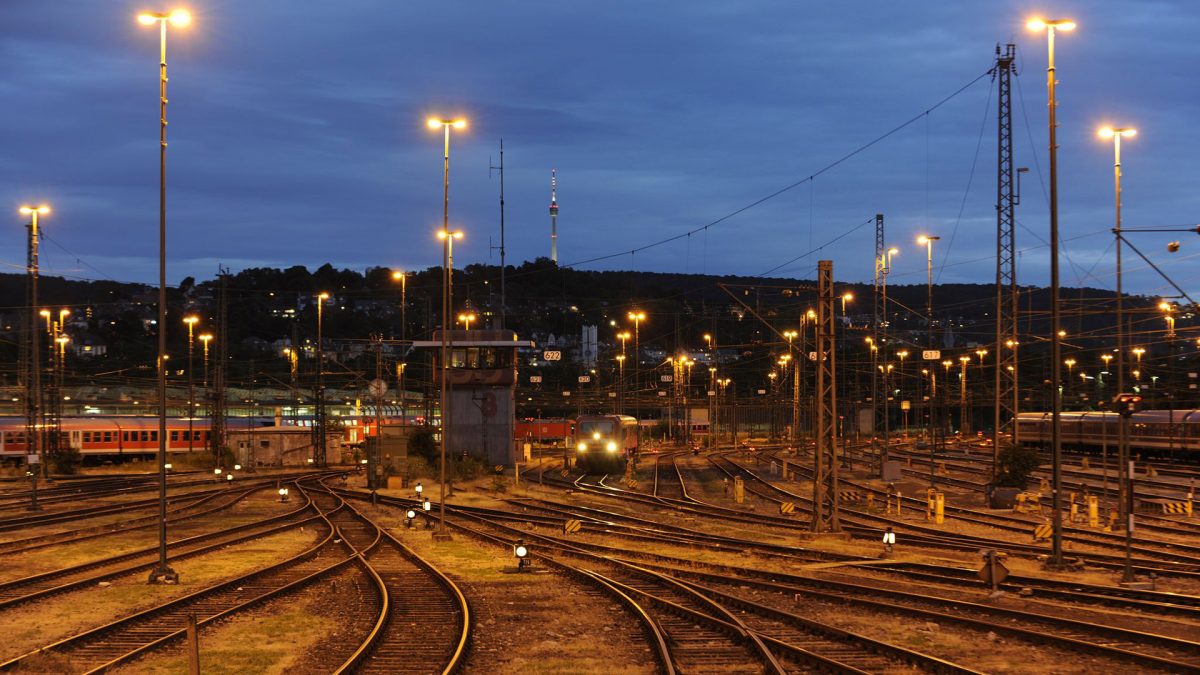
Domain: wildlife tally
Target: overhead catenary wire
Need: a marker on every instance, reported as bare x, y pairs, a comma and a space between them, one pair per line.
789, 187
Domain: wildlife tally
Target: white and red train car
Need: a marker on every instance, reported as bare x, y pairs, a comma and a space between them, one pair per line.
109, 435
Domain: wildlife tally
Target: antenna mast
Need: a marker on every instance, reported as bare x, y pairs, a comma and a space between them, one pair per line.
554, 215
500, 169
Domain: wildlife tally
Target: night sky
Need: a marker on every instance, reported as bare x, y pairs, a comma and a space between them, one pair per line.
297, 134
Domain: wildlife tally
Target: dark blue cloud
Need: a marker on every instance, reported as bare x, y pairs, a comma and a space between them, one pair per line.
297, 132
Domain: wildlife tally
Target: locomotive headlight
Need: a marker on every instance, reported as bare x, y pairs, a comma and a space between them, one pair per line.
612, 446
582, 446
596, 435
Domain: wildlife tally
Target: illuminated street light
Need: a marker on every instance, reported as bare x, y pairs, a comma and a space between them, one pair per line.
178, 18
1051, 27
466, 318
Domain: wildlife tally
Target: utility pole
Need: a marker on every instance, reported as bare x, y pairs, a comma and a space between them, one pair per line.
554, 216
33, 382
217, 411
880, 253
1005, 392
554, 209
826, 517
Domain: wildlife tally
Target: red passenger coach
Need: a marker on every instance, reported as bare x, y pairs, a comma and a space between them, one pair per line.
109, 436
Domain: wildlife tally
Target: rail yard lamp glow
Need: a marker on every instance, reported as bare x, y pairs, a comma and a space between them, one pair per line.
1116, 134
191, 321
178, 18
637, 317
34, 397
447, 238
466, 318
1052, 27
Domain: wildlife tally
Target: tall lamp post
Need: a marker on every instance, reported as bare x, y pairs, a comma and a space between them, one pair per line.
637, 317
927, 240
447, 238
33, 403
163, 573
191, 325
1051, 27
1123, 478
319, 427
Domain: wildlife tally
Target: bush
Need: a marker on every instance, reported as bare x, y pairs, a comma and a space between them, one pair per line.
66, 461
421, 444
1017, 463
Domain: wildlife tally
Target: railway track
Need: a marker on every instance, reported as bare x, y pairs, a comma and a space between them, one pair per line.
208, 505
352, 551
1145, 649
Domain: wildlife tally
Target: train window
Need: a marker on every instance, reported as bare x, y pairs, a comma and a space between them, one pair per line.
264, 444
207, 435
154, 435
8, 437
125, 435
175, 435
488, 358
145, 436
87, 437
458, 358
108, 437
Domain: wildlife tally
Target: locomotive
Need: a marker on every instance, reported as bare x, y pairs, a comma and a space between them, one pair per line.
605, 442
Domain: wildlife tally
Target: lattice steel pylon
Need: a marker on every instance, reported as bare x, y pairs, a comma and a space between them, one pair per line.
826, 517
1006, 394
877, 409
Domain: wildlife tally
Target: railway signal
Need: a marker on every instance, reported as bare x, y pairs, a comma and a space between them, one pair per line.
521, 553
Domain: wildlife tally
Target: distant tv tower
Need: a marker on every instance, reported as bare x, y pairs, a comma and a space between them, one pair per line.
554, 215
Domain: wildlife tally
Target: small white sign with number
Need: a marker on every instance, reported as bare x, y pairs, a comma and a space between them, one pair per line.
666, 378
584, 379
535, 379
551, 356
931, 354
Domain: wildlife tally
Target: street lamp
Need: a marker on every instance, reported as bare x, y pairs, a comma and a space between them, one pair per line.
319, 426
34, 397
637, 317
447, 238
191, 320
963, 426
400, 276
1116, 134
1051, 27
178, 18
466, 318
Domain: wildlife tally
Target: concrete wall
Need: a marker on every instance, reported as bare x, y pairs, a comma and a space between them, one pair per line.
481, 423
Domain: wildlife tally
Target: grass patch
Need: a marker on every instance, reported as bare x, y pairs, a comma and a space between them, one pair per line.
262, 642
31, 626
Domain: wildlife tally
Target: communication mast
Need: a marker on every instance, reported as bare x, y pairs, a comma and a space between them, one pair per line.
1006, 393
554, 215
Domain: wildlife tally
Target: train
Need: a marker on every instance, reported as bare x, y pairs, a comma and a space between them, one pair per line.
605, 442
119, 437
550, 431
1152, 433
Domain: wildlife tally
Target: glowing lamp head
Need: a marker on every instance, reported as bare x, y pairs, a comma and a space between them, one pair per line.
1038, 24
582, 447
180, 18
41, 210
847, 297
893, 251
397, 275
922, 240
611, 447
